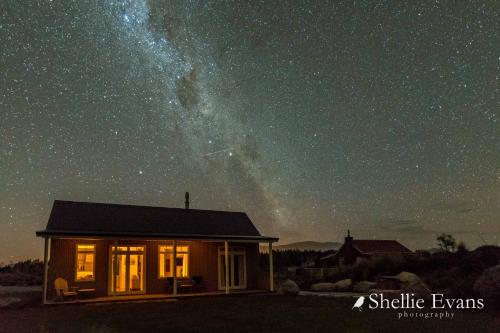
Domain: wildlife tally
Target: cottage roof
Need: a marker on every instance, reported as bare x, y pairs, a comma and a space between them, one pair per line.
70, 218
369, 246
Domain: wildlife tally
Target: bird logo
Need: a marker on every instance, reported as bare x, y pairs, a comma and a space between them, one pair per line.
359, 303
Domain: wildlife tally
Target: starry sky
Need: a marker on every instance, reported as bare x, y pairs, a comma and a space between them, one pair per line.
314, 117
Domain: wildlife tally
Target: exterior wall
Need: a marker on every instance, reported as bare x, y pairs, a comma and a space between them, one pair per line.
62, 264
360, 259
202, 262
252, 254
347, 254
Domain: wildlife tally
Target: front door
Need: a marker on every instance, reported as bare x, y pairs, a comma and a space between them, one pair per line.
237, 268
127, 270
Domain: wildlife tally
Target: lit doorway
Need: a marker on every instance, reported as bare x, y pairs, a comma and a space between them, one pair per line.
127, 270
237, 268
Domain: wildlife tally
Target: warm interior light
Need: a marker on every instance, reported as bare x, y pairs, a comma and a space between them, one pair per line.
166, 264
85, 262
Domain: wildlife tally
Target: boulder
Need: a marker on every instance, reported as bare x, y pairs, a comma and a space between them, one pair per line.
323, 286
363, 286
289, 287
487, 286
343, 285
310, 273
411, 283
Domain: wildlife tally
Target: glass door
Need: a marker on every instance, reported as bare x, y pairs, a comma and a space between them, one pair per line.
127, 270
135, 272
121, 272
236, 268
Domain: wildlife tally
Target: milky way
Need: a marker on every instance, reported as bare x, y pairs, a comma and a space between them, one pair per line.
312, 117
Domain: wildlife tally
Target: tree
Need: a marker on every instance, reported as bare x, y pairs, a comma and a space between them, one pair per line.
446, 242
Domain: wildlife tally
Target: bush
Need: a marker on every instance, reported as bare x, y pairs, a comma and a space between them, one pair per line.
287, 258
335, 274
439, 279
370, 269
360, 271
487, 286
23, 273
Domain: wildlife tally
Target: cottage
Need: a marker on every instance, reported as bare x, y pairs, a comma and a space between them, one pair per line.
353, 251
109, 250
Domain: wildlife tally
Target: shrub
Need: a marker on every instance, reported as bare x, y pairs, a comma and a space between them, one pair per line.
487, 286
28, 272
336, 273
361, 271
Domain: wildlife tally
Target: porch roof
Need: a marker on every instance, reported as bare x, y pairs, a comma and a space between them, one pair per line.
102, 220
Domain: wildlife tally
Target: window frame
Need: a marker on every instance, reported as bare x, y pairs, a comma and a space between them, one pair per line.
233, 250
120, 249
187, 252
93, 263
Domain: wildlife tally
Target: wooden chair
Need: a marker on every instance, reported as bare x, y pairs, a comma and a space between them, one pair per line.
63, 291
185, 285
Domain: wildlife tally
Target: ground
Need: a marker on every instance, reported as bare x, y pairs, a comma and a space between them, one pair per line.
255, 313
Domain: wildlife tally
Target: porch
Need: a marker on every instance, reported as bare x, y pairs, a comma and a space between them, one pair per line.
153, 297
134, 269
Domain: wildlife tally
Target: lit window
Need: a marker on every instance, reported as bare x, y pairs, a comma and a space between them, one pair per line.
85, 262
166, 264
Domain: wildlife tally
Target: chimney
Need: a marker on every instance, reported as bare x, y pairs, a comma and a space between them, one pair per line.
186, 203
348, 239
349, 253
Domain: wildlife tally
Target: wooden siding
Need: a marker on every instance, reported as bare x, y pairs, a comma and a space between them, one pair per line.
202, 262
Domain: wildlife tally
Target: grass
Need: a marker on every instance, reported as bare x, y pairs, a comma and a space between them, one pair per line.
24, 296
250, 313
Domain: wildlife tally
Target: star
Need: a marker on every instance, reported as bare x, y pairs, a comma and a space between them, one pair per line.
310, 125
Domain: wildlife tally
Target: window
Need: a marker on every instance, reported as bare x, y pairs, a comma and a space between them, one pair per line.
236, 268
166, 264
85, 262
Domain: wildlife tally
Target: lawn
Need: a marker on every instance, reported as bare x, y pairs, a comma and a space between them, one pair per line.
250, 313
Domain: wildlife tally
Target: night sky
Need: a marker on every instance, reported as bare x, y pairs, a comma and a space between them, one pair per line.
313, 117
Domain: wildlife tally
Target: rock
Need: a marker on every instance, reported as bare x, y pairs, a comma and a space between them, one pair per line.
289, 287
363, 286
8, 302
411, 283
343, 285
310, 273
323, 286
487, 286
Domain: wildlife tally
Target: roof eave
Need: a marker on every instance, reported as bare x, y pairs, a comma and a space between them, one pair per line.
151, 236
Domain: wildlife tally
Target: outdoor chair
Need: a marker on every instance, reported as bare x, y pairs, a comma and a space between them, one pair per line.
63, 291
185, 285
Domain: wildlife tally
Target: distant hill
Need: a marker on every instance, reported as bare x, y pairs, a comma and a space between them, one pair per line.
306, 245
